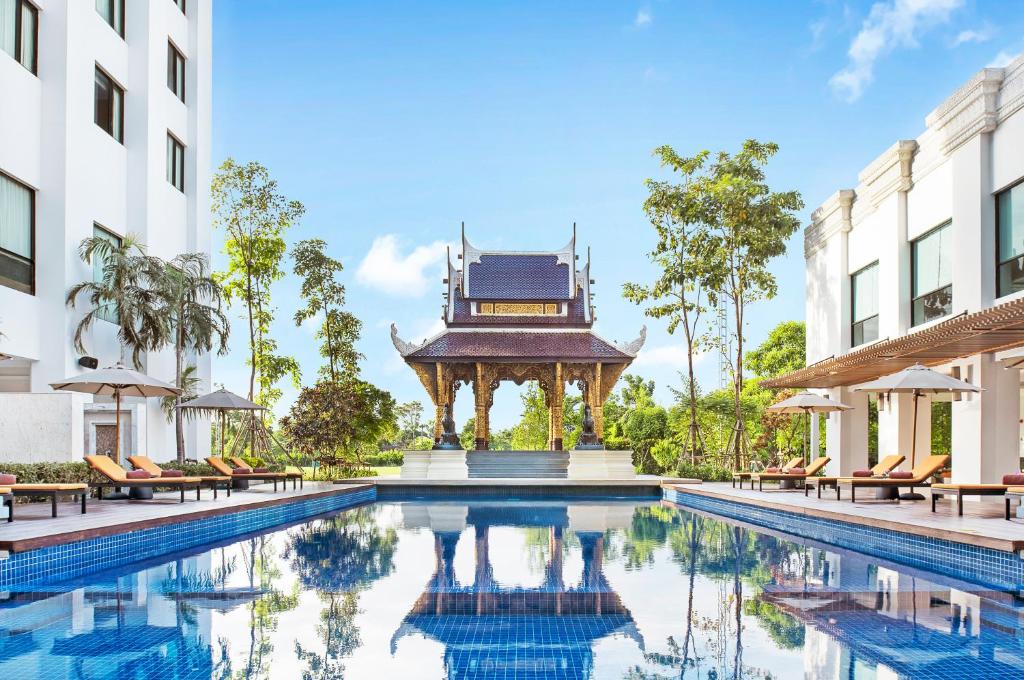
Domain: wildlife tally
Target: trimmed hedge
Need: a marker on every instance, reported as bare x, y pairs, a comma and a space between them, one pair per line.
385, 459
47, 473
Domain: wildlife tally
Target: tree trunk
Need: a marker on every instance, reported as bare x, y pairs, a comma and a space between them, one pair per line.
330, 336
740, 434
179, 427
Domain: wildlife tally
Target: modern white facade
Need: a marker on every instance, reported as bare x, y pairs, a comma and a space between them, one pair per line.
86, 130
933, 229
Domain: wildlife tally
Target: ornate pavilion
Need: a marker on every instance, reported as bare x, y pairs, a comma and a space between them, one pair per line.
518, 316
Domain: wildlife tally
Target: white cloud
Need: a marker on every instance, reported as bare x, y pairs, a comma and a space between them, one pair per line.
1003, 59
666, 356
888, 26
313, 323
817, 29
973, 35
391, 271
643, 18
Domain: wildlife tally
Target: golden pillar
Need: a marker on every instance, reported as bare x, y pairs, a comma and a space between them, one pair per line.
556, 428
594, 392
481, 394
439, 398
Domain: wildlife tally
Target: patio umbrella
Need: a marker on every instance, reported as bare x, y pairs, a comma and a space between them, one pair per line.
916, 380
807, 403
116, 381
221, 402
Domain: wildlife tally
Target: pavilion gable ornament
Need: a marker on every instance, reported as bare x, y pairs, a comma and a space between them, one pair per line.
404, 348
633, 348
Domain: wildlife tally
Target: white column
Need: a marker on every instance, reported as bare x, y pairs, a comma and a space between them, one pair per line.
895, 428
846, 433
974, 273
986, 426
815, 444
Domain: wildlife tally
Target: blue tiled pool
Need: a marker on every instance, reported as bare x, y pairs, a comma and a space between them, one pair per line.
522, 589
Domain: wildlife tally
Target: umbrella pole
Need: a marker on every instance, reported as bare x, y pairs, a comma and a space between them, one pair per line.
913, 495
222, 433
117, 426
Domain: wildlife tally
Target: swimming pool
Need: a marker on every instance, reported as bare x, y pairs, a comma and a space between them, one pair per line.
530, 588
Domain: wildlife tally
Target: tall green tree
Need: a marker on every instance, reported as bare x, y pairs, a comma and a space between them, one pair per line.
325, 296
127, 293
254, 215
748, 226
680, 294
194, 301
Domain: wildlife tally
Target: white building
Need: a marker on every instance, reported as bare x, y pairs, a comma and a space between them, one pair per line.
922, 261
105, 111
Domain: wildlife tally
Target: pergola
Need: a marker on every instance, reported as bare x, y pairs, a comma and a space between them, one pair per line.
990, 330
518, 316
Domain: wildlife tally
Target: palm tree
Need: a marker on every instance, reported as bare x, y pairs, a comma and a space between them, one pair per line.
125, 295
194, 303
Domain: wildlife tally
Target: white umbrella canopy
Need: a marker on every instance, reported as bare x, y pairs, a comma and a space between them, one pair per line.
916, 380
116, 381
808, 402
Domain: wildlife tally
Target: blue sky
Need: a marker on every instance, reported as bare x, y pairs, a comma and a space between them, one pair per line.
395, 121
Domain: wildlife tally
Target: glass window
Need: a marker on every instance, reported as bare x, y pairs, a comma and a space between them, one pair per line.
112, 12
1010, 232
105, 312
176, 71
19, 31
175, 163
17, 242
932, 275
864, 292
109, 105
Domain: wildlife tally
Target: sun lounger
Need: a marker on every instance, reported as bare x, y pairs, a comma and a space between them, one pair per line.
814, 468
218, 464
117, 476
920, 476
212, 482
960, 490
51, 491
883, 467
1013, 493
741, 476
296, 477
7, 499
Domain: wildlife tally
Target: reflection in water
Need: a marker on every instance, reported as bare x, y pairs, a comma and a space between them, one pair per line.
524, 589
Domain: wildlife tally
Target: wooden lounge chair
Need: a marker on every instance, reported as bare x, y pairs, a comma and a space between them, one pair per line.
884, 466
51, 491
7, 500
921, 474
814, 468
218, 464
960, 490
212, 482
117, 476
296, 477
741, 476
1013, 492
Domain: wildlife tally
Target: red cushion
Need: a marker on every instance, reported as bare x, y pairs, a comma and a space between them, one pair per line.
242, 471
796, 471
1014, 479
261, 469
771, 469
172, 473
138, 474
901, 475
6, 480
862, 473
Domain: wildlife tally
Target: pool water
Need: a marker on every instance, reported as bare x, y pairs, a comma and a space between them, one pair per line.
519, 589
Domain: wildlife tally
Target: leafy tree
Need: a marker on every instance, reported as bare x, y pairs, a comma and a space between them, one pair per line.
194, 306
748, 225
128, 293
325, 296
644, 426
784, 350
254, 215
410, 423
531, 433
339, 419
680, 293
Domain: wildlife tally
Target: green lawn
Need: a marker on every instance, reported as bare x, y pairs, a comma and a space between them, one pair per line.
390, 471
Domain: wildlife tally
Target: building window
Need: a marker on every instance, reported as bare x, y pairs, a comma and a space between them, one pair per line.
180, 4
106, 312
864, 307
931, 275
175, 71
17, 235
112, 12
175, 163
109, 105
19, 31
1010, 235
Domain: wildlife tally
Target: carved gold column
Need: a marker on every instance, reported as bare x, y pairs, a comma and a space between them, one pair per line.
555, 424
594, 391
439, 400
481, 394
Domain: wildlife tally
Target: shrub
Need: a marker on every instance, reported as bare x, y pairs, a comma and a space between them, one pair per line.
708, 472
48, 473
385, 459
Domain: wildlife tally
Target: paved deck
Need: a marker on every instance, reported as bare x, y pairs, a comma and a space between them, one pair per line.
982, 523
33, 527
